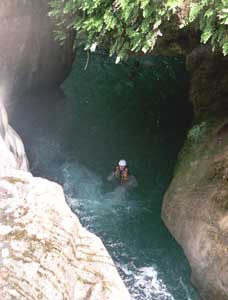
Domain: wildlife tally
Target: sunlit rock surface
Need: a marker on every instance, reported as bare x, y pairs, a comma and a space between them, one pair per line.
195, 207
44, 251
11, 147
29, 56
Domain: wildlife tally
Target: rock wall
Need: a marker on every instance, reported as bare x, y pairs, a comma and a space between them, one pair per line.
208, 81
195, 207
29, 56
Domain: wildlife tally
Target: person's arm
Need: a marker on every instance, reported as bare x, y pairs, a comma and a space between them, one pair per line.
111, 176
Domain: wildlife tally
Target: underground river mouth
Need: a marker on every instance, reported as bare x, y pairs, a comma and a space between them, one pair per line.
137, 111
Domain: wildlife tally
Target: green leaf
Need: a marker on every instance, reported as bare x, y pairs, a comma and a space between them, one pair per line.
195, 9
225, 48
206, 36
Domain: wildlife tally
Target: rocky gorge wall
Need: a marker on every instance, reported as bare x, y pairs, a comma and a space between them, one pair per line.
195, 207
29, 56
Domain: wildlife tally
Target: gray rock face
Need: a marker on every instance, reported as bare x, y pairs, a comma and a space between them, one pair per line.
29, 56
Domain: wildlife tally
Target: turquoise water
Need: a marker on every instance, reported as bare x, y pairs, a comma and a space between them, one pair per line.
137, 111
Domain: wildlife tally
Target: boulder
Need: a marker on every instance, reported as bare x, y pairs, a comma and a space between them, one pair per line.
45, 253
195, 207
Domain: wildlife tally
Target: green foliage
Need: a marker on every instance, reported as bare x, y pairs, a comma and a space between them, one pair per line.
125, 26
212, 19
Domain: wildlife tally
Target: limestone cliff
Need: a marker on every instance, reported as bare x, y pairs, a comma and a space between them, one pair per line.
195, 207
29, 56
44, 251
12, 149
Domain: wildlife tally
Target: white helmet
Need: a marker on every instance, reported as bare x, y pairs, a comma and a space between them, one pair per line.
122, 163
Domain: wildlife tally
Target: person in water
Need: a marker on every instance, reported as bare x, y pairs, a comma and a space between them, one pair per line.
121, 172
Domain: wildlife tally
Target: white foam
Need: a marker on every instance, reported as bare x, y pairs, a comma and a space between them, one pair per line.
144, 283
